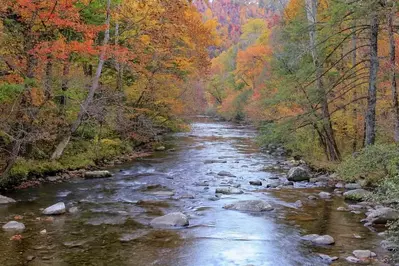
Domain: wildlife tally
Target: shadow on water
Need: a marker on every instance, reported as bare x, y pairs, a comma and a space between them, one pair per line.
112, 224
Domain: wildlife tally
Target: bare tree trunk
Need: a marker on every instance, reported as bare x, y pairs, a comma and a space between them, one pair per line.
392, 58
64, 143
13, 158
331, 145
65, 80
372, 91
48, 79
118, 66
354, 111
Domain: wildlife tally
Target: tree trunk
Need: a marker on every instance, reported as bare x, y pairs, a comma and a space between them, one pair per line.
64, 143
354, 110
118, 66
65, 80
48, 80
13, 158
331, 145
392, 58
372, 91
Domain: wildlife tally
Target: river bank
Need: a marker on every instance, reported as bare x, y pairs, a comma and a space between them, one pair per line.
210, 176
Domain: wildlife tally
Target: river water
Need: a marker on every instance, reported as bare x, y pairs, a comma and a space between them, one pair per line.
122, 207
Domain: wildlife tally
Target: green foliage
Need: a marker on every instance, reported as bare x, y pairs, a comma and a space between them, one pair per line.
373, 163
9, 91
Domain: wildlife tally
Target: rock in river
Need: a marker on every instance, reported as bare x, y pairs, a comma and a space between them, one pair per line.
351, 186
298, 174
14, 226
255, 182
249, 206
382, 216
97, 174
55, 209
225, 173
328, 258
170, 220
356, 194
325, 195
6, 200
319, 240
214, 161
363, 254
228, 190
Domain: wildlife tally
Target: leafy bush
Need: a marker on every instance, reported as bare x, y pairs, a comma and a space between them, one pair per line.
372, 164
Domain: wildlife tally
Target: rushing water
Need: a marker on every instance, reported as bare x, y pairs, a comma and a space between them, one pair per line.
117, 207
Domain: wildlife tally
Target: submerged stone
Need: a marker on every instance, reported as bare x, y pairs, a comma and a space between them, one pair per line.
14, 226
55, 209
175, 219
250, 206
6, 200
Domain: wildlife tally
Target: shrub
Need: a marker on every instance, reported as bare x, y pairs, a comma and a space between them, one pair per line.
373, 164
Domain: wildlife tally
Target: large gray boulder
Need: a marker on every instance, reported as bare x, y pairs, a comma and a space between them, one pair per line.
228, 190
14, 226
6, 200
297, 174
382, 215
319, 240
357, 194
97, 174
175, 219
249, 206
55, 209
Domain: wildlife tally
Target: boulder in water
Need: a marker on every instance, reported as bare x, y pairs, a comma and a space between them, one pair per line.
298, 173
14, 226
357, 194
97, 174
328, 258
55, 209
249, 206
160, 148
363, 254
382, 215
225, 173
214, 161
228, 190
319, 240
325, 195
255, 182
6, 200
175, 219
352, 186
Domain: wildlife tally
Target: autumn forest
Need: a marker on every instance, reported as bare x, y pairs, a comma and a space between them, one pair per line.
88, 84
102, 77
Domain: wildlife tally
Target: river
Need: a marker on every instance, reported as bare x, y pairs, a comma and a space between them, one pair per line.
119, 207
